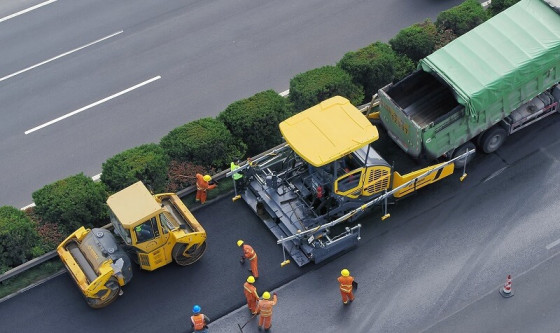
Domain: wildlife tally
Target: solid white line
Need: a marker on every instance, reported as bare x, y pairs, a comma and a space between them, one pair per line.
92, 105
553, 244
26, 10
59, 56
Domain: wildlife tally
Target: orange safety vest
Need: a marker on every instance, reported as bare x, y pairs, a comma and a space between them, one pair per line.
346, 284
249, 252
198, 322
203, 185
265, 306
250, 291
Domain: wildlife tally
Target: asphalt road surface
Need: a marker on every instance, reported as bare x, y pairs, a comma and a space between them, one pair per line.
434, 266
83, 80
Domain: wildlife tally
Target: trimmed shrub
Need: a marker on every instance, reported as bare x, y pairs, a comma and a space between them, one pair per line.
497, 6
416, 41
205, 142
255, 120
444, 37
314, 86
72, 202
147, 163
19, 240
462, 18
374, 66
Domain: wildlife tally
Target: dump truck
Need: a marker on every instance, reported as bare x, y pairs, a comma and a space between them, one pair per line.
154, 230
495, 80
326, 173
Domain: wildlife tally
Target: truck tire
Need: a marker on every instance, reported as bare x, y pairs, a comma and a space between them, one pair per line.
114, 289
493, 139
461, 150
194, 253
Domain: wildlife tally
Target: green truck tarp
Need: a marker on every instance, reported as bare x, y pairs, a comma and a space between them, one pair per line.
499, 55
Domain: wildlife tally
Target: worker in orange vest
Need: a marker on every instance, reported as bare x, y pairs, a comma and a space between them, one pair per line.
249, 253
251, 294
202, 186
346, 286
199, 321
265, 310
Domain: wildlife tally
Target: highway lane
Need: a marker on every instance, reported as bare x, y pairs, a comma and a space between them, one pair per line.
208, 54
441, 251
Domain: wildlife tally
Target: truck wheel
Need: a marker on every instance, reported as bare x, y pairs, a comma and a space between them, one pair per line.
113, 294
191, 256
461, 150
493, 139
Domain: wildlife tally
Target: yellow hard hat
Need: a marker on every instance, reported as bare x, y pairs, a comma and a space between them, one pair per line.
266, 295
207, 178
239, 242
345, 272
251, 279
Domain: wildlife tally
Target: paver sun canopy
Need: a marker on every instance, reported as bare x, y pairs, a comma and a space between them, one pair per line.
133, 204
328, 131
502, 53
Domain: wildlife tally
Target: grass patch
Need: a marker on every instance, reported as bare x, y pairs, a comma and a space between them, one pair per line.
30, 276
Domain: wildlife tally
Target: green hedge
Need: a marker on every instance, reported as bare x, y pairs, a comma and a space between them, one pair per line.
19, 240
374, 66
205, 142
148, 163
416, 41
462, 18
314, 86
72, 202
255, 120
497, 6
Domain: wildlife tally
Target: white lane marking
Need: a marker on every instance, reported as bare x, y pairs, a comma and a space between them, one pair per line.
28, 206
284, 93
26, 10
92, 105
495, 174
553, 244
59, 56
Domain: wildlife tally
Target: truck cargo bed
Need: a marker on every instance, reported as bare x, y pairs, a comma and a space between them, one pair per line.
423, 98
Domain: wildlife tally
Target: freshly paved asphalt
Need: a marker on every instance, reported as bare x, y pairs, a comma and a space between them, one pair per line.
434, 266
208, 54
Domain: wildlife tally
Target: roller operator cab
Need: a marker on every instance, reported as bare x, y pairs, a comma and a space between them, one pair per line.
155, 230
326, 169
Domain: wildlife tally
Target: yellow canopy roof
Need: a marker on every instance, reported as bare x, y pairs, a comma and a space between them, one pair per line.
328, 131
132, 204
